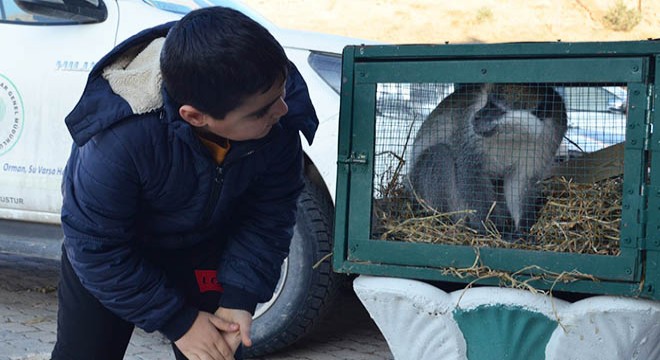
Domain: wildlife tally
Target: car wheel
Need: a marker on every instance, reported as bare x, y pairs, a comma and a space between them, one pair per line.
307, 284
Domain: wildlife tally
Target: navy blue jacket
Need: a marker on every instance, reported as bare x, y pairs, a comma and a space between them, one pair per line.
136, 180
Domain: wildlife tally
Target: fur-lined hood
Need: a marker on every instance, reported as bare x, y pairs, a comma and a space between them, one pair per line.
137, 78
123, 83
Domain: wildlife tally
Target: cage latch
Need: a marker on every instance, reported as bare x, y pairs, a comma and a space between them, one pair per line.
354, 158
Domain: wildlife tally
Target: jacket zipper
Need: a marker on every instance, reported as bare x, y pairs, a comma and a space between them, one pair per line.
216, 187
218, 182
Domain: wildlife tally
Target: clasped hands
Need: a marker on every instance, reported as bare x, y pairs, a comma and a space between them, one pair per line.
216, 336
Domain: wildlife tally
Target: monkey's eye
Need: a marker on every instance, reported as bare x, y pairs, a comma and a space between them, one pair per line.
489, 112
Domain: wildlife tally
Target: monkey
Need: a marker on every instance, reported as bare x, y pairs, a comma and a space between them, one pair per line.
481, 152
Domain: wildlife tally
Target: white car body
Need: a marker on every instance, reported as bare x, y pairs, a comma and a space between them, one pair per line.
43, 71
596, 117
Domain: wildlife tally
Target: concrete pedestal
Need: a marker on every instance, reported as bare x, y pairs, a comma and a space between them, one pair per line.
422, 322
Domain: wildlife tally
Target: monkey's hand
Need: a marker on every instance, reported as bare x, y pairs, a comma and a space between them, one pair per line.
485, 127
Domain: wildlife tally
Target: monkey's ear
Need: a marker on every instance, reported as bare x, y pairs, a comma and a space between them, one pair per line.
481, 98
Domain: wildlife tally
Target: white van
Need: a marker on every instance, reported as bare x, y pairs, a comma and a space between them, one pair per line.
48, 49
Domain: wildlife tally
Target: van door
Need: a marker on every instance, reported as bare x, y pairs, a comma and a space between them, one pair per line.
47, 54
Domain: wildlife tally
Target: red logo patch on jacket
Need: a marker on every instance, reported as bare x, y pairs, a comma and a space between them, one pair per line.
207, 280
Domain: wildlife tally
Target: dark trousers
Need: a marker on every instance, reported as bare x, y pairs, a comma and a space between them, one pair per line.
86, 330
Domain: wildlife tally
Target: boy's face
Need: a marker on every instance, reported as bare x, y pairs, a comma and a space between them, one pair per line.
252, 120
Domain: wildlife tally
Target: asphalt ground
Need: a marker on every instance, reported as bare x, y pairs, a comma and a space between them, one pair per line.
28, 317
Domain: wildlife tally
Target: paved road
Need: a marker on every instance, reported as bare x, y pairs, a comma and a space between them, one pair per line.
28, 312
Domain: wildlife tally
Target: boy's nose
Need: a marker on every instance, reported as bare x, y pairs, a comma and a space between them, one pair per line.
280, 108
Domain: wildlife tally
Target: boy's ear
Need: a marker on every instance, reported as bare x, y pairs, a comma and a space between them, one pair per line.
193, 116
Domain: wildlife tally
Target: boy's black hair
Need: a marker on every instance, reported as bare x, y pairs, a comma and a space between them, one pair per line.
216, 57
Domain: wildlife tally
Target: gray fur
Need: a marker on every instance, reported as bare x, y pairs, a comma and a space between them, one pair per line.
482, 151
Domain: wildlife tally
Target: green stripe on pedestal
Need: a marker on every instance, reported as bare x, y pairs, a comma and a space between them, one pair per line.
504, 332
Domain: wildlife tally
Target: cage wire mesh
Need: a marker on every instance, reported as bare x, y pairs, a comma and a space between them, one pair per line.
531, 166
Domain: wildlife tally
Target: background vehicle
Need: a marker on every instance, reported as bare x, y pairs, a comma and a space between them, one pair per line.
597, 122
48, 50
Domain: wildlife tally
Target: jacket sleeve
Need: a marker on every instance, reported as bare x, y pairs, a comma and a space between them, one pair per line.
101, 202
250, 266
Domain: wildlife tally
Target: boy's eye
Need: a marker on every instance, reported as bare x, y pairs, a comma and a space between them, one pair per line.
261, 113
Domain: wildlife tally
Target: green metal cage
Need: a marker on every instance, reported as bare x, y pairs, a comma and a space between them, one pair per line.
587, 111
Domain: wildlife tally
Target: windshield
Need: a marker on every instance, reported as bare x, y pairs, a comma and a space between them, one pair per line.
185, 6
597, 99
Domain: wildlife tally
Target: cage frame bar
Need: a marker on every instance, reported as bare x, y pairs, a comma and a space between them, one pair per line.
652, 243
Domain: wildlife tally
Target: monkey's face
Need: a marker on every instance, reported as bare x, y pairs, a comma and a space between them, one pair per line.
521, 108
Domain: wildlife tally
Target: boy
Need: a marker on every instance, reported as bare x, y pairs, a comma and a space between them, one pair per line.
169, 181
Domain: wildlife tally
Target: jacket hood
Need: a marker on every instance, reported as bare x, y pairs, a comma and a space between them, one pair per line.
124, 82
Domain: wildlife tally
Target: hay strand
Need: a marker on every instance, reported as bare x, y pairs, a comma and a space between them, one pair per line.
577, 218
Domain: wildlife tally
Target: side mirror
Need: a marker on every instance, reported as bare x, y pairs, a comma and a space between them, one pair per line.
80, 11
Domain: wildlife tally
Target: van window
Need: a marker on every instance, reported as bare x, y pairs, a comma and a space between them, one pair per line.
52, 12
12, 13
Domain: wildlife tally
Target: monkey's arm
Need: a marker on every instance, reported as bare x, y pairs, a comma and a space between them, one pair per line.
477, 191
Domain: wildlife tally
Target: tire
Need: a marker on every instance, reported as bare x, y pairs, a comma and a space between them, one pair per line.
303, 293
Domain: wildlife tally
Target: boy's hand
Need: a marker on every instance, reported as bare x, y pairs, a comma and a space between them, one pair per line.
205, 340
243, 319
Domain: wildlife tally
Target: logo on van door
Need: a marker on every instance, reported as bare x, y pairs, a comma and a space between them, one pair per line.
11, 115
